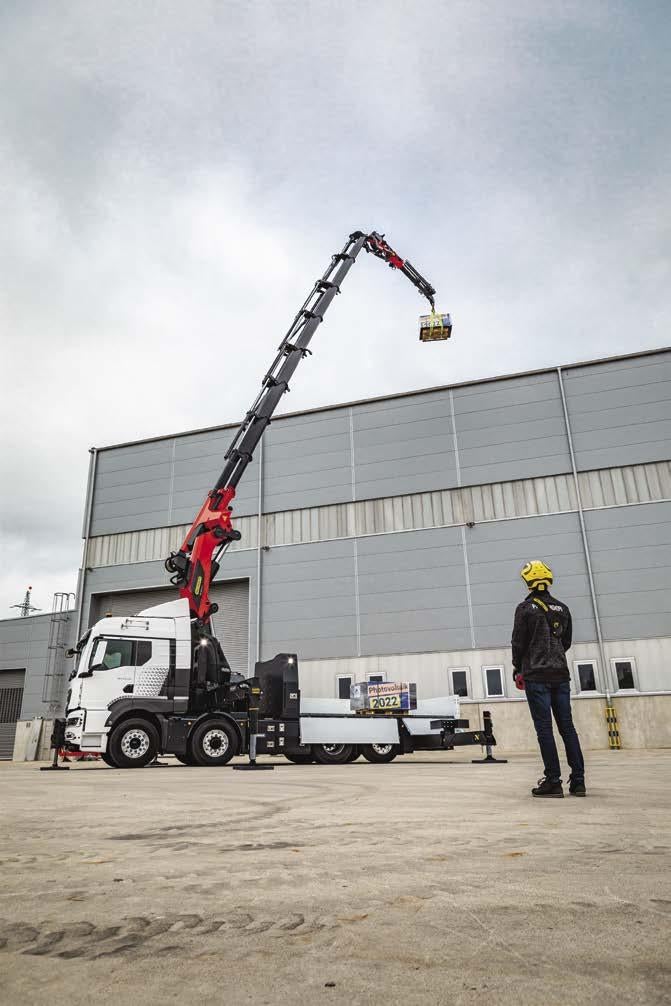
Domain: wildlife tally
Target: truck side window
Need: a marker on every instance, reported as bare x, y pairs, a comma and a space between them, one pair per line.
143, 654
118, 653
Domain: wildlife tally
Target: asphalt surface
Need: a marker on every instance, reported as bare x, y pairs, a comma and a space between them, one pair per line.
429, 880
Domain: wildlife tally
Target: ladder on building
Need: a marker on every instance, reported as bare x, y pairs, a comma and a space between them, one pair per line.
53, 687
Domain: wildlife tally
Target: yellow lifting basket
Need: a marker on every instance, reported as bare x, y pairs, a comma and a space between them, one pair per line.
434, 327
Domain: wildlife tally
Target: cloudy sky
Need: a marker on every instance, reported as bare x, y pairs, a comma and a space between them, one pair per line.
174, 176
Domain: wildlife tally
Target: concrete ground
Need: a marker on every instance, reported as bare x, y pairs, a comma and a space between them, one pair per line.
430, 880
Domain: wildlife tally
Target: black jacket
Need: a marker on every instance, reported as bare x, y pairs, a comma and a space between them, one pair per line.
541, 636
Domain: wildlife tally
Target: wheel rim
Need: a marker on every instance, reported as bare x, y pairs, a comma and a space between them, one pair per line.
135, 743
215, 743
334, 749
381, 749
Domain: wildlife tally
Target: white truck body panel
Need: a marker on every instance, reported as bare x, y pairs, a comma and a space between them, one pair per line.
348, 730
332, 722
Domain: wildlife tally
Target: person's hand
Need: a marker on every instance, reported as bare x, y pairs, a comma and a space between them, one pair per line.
518, 678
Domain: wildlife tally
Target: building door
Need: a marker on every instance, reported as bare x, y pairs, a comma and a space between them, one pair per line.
231, 623
11, 697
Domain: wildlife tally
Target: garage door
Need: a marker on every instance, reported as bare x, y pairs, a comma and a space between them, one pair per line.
231, 623
11, 697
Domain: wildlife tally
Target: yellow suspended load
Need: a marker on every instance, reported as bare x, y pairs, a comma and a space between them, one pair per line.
434, 327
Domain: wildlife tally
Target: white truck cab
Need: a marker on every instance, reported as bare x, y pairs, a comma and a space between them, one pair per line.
144, 656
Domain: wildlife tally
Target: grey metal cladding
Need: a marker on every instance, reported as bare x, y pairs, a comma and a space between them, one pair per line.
496, 553
423, 641
620, 411
308, 600
412, 589
163, 483
307, 461
405, 446
406, 412
510, 429
315, 488
630, 548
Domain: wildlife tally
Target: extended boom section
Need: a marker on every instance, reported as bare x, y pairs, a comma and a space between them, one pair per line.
195, 564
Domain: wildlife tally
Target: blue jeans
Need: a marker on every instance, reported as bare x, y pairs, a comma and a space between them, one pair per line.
545, 700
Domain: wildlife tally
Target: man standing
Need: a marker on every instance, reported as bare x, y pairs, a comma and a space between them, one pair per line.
541, 636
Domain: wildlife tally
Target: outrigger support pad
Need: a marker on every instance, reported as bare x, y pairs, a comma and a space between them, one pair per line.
57, 742
254, 697
451, 738
489, 740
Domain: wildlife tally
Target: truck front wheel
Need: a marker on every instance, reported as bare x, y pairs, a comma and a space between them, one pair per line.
379, 753
133, 744
332, 754
214, 743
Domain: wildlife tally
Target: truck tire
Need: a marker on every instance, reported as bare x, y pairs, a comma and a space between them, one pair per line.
133, 744
214, 742
356, 751
300, 756
185, 759
332, 754
105, 755
379, 753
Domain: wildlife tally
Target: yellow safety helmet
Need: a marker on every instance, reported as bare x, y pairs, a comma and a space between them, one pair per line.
536, 575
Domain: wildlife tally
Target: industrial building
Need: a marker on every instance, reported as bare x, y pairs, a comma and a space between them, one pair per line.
383, 539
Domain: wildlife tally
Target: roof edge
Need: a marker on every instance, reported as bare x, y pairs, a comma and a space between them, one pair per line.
391, 397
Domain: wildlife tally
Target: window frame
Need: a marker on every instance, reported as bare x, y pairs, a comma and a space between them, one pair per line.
634, 674
382, 675
342, 677
502, 671
469, 688
576, 677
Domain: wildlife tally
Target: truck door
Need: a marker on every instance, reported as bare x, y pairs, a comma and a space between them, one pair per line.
152, 665
110, 673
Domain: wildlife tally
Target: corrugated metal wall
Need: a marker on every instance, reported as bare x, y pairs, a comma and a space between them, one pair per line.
620, 411
503, 500
340, 485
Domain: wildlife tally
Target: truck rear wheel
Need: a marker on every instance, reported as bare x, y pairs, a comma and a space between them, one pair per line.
302, 755
214, 742
379, 753
133, 744
332, 754
185, 759
108, 761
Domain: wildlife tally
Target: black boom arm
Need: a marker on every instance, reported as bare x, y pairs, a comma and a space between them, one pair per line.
195, 564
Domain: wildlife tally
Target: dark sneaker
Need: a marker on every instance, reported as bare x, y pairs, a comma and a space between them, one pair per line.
576, 787
548, 788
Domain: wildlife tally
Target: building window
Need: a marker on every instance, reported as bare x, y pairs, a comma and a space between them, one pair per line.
493, 677
585, 674
625, 672
375, 679
344, 685
459, 681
